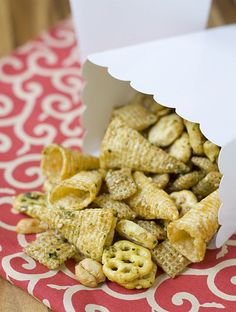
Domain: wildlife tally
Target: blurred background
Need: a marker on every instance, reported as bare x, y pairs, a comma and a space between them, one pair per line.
22, 20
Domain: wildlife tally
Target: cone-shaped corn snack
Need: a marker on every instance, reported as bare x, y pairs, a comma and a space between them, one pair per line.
120, 183
135, 233
78, 191
90, 230
51, 250
196, 137
204, 164
32, 204
190, 233
186, 181
150, 202
211, 150
181, 148
122, 210
59, 163
123, 147
161, 180
166, 130
184, 200
208, 184
169, 259
135, 116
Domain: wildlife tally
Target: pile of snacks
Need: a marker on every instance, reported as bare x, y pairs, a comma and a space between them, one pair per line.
150, 199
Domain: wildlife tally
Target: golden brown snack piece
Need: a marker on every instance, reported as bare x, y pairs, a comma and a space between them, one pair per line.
211, 150
31, 226
122, 210
32, 204
166, 130
135, 116
204, 164
169, 259
181, 148
208, 184
89, 273
125, 262
120, 183
60, 163
137, 234
186, 181
50, 250
143, 282
123, 147
48, 186
196, 137
78, 191
161, 180
185, 200
152, 227
150, 202
189, 234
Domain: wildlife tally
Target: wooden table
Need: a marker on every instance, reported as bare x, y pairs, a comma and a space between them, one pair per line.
14, 299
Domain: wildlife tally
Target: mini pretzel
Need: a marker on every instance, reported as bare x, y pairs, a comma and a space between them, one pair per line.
125, 261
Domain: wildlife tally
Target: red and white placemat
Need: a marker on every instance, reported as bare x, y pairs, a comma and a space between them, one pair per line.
40, 88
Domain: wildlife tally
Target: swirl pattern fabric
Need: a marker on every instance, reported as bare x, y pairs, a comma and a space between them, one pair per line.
40, 88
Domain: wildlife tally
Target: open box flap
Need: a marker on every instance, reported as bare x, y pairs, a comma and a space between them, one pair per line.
110, 24
194, 73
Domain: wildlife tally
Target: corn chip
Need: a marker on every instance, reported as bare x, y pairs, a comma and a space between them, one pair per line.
196, 137
150, 202
186, 181
78, 191
204, 164
190, 233
208, 184
60, 163
123, 147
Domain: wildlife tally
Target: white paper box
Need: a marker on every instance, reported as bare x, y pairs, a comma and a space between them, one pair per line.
108, 24
194, 73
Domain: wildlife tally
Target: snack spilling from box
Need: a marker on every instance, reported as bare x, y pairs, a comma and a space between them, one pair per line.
150, 200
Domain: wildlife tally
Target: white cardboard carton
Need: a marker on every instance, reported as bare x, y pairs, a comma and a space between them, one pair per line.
194, 73
108, 24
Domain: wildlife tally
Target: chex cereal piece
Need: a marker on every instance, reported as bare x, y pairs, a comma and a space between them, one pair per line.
154, 228
125, 261
120, 183
143, 282
181, 148
135, 233
124, 147
190, 233
135, 116
196, 137
78, 191
32, 204
59, 163
184, 200
166, 130
169, 259
186, 181
50, 250
204, 164
211, 150
161, 180
208, 184
150, 202
122, 210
